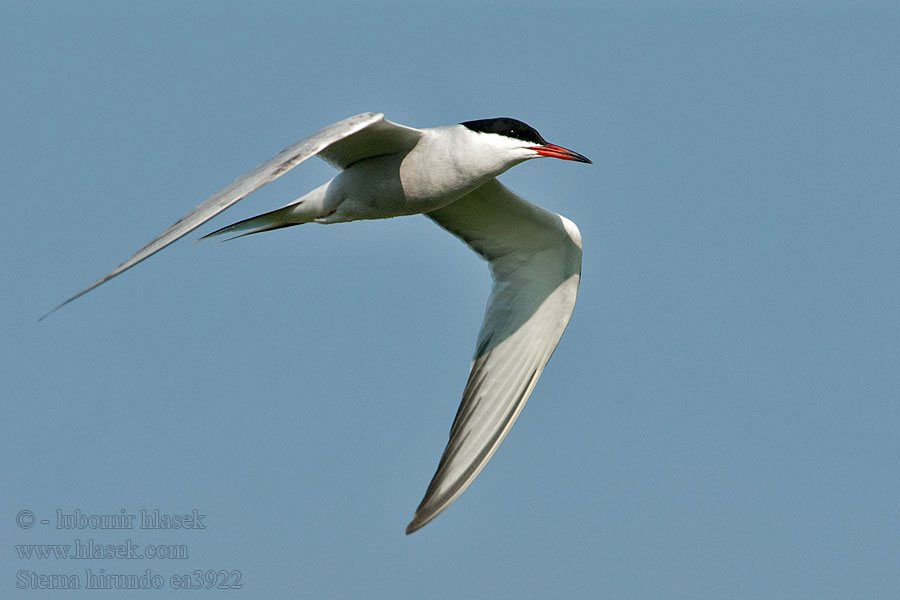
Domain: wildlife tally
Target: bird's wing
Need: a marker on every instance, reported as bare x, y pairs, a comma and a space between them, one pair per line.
535, 262
378, 138
341, 144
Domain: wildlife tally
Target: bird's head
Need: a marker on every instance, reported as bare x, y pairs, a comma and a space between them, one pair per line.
521, 140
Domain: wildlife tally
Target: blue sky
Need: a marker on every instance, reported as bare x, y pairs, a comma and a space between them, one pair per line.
719, 421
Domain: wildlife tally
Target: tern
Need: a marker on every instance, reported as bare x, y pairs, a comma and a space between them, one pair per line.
448, 174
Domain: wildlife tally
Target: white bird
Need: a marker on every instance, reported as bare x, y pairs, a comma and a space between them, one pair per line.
448, 174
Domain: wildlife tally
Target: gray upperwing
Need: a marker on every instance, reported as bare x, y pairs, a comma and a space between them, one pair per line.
378, 138
319, 143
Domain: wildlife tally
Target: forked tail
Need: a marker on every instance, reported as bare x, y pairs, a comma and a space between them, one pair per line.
265, 222
305, 210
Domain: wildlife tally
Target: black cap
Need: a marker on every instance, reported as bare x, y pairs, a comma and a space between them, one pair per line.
509, 127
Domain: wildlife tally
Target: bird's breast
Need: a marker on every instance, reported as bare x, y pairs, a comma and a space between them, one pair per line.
398, 185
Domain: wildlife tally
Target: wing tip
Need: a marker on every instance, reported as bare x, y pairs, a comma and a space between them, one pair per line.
49, 312
73, 298
431, 507
418, 522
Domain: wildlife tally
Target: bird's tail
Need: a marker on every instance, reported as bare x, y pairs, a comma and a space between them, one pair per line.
305, 210
265, 222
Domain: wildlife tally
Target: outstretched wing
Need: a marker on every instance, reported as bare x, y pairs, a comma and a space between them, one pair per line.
535, 261
340, 144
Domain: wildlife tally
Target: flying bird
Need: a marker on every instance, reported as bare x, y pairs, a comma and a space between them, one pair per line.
449, 175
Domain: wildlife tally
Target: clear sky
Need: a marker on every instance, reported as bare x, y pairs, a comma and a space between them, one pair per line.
719, 421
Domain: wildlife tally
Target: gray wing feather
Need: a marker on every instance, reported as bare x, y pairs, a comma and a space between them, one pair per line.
334, 142
378, 138
535, 261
